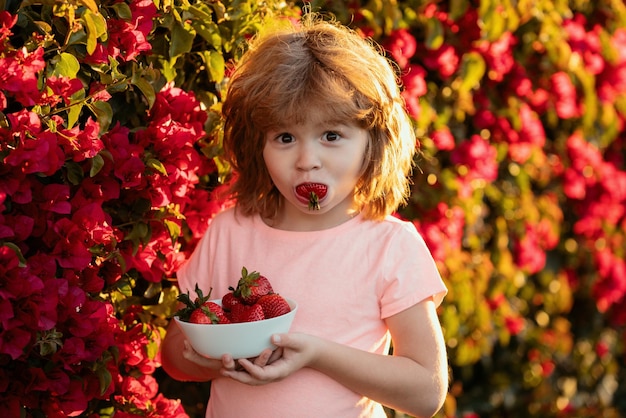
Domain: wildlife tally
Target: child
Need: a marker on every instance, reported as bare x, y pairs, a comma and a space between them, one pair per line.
316, 131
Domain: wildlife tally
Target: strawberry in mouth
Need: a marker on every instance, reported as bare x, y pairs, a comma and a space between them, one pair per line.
313, 192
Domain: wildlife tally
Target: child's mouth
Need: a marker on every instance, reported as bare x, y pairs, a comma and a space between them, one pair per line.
313, 192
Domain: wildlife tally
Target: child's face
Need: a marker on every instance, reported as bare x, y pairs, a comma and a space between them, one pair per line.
326, 158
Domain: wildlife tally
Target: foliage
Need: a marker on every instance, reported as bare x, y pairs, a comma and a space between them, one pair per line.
109, 150
109, 156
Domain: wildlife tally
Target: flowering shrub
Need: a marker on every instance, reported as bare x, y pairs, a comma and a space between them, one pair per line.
110, 153
105, 178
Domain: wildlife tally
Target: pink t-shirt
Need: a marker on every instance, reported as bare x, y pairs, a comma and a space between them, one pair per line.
346, 280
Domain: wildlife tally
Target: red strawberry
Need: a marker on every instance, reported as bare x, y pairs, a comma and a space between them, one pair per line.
229, 300
252, 286
273, 305
209, 313
218, 311
247, 313
184, 313
200, 317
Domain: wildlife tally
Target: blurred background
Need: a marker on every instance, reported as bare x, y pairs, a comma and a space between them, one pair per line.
110, 154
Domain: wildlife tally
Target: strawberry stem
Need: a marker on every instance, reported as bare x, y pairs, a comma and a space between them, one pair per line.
314, 201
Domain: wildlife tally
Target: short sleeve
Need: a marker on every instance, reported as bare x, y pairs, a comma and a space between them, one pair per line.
410, 273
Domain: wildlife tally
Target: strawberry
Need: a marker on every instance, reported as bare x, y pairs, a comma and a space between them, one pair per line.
247, 313
185, 312
273, 305
198, 316
229, 300
252, 286
218, 311
209, 313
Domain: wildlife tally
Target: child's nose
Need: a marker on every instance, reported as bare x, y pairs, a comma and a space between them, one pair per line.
308, 157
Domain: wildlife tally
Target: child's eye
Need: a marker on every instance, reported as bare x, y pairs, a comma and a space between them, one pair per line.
285, 138
331, 136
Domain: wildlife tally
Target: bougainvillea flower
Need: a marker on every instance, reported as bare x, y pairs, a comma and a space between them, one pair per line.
445, 60
498, 55
19, 73
565, 95
479, 156
402, 45
61, 88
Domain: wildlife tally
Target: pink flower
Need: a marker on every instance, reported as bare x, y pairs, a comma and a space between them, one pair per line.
529, 254
610, 288
565, 96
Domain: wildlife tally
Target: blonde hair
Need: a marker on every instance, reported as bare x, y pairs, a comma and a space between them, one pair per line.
326, 65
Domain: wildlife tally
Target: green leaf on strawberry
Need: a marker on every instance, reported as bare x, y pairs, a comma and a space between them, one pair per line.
184, 313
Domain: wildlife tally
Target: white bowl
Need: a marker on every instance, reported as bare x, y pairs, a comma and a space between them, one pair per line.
241, 340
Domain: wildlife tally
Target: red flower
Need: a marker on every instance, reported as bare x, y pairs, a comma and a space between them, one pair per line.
529, 254
443, 139
30, 148
442, 229
13, 339
585, 44
18, 75
81, 142
414, 87
498, 55
401, 45
445, 60
514, 324
7, 21
565, 96
61, 88
478, 156
67, 242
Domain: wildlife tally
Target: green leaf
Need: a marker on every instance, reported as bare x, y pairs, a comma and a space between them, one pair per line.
16, 250
210, 32
123, 11
458, 8
105, 378
97, 163
65, 64
472, 71
215, 65
183, 35
434, 33
104, 114
74, 172
172, 228
146, 88
156, 165
96, 27
91, 4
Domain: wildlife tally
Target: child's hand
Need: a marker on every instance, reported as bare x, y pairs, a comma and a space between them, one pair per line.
226, 362
294, 352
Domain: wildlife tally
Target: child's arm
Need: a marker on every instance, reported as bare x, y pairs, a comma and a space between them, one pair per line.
413, 380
